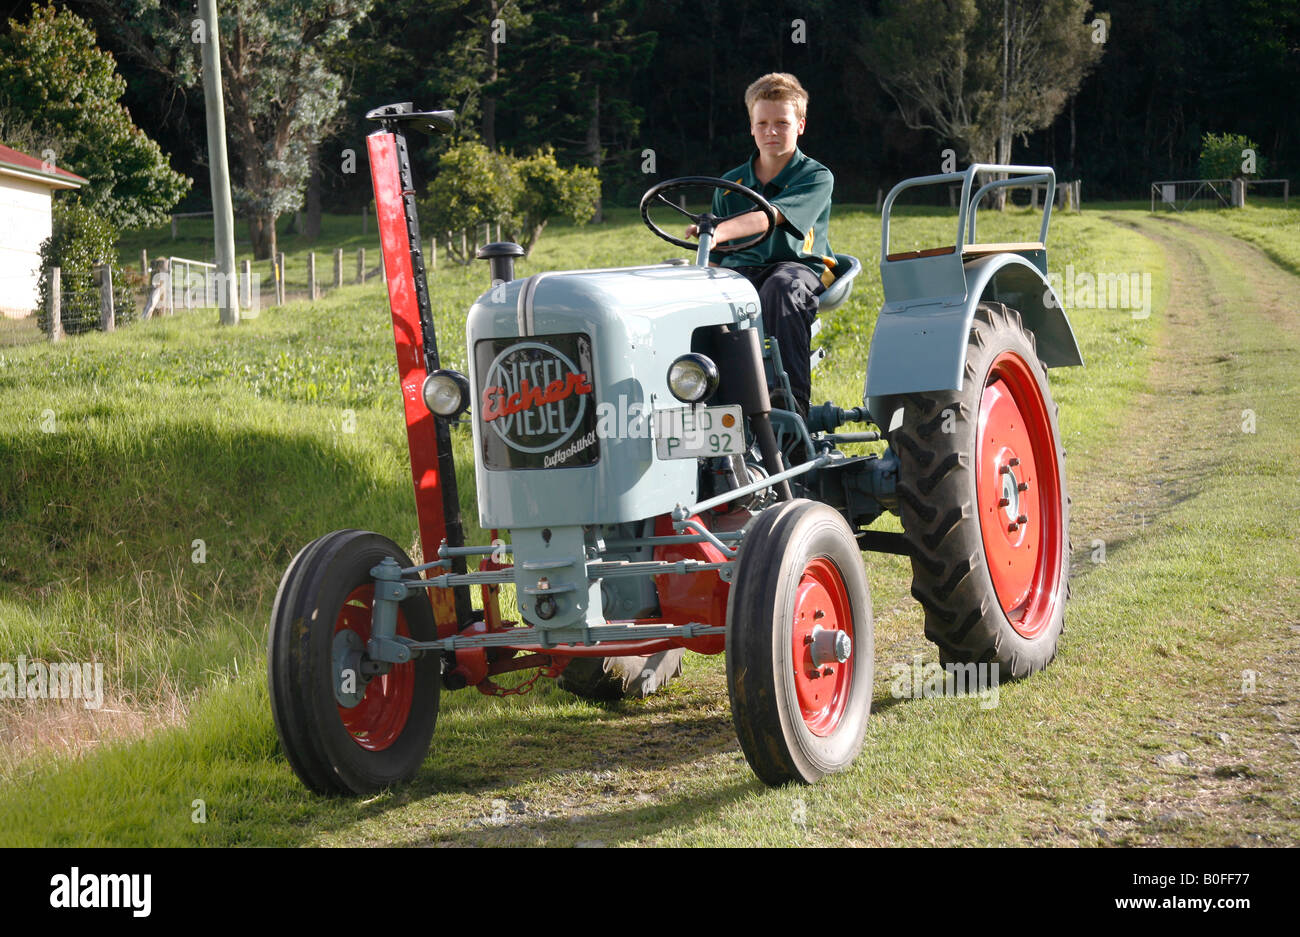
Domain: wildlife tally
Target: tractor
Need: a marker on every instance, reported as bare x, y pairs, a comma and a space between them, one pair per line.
645, 497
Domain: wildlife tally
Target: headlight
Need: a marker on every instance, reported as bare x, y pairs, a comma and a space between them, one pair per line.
446, 393
692, 378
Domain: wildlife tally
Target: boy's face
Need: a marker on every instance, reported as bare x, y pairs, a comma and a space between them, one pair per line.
775, 127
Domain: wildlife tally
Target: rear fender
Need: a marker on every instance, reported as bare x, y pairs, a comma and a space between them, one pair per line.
919, 345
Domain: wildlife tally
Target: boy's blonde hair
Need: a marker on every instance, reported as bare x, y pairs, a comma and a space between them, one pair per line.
778, 86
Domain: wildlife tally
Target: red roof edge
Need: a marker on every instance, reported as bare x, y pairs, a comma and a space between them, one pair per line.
19, 160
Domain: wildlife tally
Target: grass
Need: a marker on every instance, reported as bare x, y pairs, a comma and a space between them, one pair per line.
174, 431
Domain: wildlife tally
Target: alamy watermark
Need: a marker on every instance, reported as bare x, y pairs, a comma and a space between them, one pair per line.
1084, 290
933, 681
38, 680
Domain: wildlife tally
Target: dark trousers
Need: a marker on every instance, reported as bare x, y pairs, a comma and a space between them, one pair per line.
787, 294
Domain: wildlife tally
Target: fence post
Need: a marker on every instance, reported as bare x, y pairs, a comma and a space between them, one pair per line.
338, 267
361, 265
144, 262
246, 286
311, 275
107, 322
878, 200
433, 253
464, 243
56, 304
173, 227
159, 289
280, 281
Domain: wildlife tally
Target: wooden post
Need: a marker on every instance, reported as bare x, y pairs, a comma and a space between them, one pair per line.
246, 286
361, 265
498, 229
1078, 195
173, 227
156, 302
107, 322
311, 276
56, 304
338, 267
433, 253
280, 280
464, 244
1033, 196
879, 199
487, 232
144, 262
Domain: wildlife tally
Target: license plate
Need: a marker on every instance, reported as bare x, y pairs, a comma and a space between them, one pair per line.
699, 432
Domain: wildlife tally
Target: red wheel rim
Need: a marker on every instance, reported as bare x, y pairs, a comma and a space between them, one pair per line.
821, 607
378, 720
1018, 493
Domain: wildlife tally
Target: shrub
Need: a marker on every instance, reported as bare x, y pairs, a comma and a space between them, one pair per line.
476, 185
550, 191
80, 239
1221, 156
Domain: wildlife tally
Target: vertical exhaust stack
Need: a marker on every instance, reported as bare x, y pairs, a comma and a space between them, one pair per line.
433, 472
501, 257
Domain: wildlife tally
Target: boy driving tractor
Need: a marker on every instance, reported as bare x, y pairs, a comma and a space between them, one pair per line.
791, 266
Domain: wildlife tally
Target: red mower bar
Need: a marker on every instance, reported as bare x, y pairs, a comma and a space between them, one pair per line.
436, 501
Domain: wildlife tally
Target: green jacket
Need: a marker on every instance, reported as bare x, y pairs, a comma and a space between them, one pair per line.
802, 193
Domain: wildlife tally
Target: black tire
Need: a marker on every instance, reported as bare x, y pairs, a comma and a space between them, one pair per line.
945, 524
614, 678
312, 597
793, 549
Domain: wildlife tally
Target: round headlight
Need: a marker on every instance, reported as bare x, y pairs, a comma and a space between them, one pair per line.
446, 393
692, 378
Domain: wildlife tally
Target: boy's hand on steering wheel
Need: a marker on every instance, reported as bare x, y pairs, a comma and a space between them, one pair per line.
692, 231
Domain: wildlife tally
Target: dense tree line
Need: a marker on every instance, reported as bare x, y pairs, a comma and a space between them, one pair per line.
631, 85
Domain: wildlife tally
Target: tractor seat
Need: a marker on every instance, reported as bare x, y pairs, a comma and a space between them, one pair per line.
835, 294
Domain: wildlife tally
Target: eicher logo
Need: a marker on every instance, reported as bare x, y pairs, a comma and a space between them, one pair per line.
77, 890
537, 402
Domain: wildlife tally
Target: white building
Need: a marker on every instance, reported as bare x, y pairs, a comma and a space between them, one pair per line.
26, 193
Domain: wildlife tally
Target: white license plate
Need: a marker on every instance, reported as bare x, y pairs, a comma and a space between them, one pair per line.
699, 432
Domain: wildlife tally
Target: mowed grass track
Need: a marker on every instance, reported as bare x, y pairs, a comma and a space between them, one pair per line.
1140, 732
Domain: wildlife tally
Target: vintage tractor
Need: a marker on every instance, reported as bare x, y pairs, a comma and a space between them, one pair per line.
650, 499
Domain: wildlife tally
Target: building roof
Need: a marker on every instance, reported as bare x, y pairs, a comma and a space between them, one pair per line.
14, 163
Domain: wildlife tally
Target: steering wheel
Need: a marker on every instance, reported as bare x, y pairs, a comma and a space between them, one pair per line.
706, 221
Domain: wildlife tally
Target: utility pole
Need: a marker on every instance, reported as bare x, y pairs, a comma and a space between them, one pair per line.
223, 213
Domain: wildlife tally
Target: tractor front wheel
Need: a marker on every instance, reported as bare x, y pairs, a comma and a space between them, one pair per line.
800, 644
348, 724
982, 499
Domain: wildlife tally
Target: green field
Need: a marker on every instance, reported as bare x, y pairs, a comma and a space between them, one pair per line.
128, 457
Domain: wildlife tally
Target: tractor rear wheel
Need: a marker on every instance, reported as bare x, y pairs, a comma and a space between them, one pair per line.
799, 644
615, 678
983, 503
344, 728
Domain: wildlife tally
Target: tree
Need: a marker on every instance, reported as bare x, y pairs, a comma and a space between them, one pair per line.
981, 72
63, 92
578, 62
281, 98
